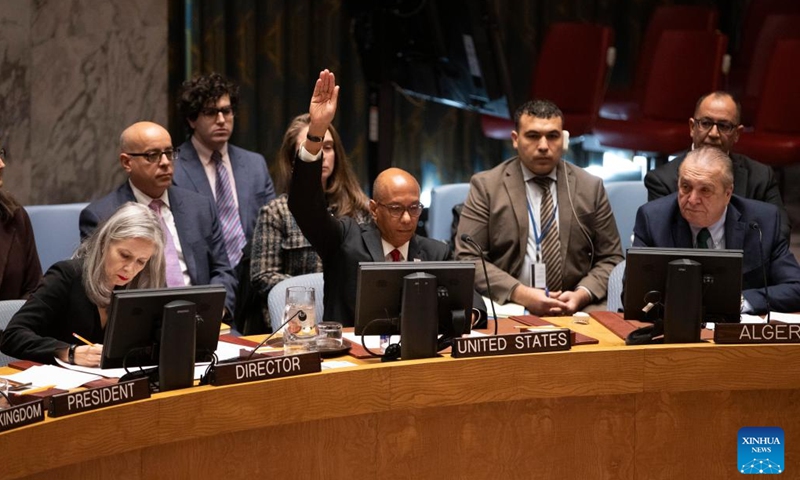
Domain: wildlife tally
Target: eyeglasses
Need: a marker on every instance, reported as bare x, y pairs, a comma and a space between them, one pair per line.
705, 124
213, 112
396, 211
155, 155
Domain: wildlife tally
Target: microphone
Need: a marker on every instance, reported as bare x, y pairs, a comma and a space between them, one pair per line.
466, 238
301, 314
755, 226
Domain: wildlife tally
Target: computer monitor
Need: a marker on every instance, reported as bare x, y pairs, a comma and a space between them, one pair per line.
134, 323
379, 294
646, 271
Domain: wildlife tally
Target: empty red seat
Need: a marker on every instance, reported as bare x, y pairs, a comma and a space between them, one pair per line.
570, 72
624, 104
775, 138
685, 66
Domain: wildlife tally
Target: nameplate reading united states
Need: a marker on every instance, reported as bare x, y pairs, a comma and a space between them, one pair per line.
265, 368
756, 333
527, 342
100, 397
21, 415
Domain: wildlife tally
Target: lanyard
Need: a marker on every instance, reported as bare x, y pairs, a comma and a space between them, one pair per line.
545, 227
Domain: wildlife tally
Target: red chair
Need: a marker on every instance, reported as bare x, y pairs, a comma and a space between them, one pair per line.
621, 105
775, 139
685, 66
571, 72
747, 74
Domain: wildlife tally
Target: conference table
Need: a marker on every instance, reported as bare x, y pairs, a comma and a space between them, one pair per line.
604, 411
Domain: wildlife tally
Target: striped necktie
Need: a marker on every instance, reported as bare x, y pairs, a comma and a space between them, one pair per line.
173, 266
550, 243
228, 213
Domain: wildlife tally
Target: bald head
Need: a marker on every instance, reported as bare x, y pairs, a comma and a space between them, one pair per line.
705, 186
391, 179
132, 137
395, 190
151, 177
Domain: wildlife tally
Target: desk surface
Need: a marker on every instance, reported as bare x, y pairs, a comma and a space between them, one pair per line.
598, 411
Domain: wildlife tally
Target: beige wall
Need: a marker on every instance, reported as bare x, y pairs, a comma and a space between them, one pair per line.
73, 75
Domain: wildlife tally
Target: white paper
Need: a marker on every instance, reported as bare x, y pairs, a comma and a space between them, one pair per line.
226, 350
785, 317
331, 364
47, 375
504, 311
199, 369
745, 318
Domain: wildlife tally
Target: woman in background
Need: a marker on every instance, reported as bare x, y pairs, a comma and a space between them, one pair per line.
20, 270
124, 252
280, 250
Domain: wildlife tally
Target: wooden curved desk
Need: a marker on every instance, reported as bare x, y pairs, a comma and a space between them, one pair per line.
603, 411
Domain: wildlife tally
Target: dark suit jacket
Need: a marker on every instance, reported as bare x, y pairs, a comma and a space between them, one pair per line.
254, 186
750, 180
659, 224
343, 243
20, 270
199, 232
46, 321
495, 215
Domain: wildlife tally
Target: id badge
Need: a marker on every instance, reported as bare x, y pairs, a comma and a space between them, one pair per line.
539, 275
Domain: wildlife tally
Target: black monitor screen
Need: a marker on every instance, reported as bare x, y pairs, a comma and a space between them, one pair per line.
380, 290
646, 271
134, 323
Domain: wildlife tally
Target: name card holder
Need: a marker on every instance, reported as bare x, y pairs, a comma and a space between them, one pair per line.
756, 333
265, 368
513, 344
100, 397
21, 415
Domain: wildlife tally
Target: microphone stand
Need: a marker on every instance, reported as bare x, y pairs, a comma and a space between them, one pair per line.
465, 237
299, 313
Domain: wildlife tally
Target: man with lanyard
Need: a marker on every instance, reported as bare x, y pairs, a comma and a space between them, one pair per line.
545, 225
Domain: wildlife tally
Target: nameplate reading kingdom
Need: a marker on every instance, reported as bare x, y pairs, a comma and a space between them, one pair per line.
265, 369
100, 397
21, 415
756, 333
527, 342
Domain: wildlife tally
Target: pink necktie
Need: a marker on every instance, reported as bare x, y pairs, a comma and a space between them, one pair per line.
229, 219
174, 273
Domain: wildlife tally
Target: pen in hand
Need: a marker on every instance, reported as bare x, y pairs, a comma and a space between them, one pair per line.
87, 342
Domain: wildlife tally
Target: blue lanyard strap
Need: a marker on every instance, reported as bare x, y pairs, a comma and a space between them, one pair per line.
545, 228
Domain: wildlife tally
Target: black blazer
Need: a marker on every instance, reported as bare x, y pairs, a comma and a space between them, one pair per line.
20, 270
343, 243
751, 179
46, 321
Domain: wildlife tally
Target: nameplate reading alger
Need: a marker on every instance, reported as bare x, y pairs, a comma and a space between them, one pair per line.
100, 397
21, 415
756, 333
265, 368
512, 344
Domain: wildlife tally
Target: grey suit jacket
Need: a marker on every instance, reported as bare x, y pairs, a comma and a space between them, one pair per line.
199, 233
751, 179
254, 186
495, 215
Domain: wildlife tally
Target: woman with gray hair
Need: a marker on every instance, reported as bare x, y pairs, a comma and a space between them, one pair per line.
124, 252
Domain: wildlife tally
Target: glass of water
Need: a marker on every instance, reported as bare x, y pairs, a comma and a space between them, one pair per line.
300, 335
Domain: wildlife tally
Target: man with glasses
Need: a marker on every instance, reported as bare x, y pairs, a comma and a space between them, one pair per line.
545, 225
236, 179
716, 124
343, 243
194, 248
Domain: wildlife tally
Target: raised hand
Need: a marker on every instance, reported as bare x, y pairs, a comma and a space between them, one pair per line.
323, 103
